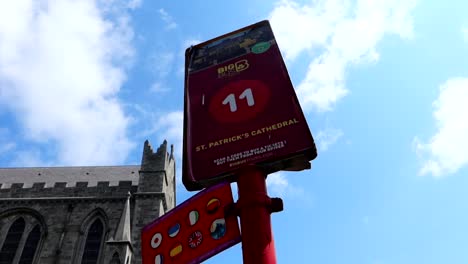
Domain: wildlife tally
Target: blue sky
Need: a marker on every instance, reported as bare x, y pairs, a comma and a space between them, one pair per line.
383, 84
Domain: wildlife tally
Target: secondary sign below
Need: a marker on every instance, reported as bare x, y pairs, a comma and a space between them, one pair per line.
193, 231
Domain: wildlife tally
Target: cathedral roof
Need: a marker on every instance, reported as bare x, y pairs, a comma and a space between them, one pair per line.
70, 175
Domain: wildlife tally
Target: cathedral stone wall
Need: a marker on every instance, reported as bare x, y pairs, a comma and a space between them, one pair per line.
113, 204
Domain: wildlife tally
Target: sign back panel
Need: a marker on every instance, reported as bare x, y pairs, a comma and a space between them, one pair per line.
241, 109
193, 231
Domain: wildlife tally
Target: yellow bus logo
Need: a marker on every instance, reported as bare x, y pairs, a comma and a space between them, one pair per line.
233, 68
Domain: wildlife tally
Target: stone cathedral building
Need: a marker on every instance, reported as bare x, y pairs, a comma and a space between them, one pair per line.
83, 214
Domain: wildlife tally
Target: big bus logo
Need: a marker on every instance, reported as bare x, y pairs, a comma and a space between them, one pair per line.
233, 68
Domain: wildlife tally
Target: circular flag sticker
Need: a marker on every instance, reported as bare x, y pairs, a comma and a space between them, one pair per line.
174, 230
176, 250
158, 259
261, 47
218, 228
156, 240
195, 239
193, 217
212, 205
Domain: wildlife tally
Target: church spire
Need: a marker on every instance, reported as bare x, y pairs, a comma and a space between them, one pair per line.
122, 234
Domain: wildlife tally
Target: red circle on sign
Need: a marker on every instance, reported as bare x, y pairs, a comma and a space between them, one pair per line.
239, 101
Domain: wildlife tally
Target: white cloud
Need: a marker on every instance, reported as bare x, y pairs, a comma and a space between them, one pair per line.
171, 127
447, 151
299, 28
165, 125
158, 87
465, 33
365, 220
168, 19
133, 4
6, 147
162, 126
190, 42
29, 158
60, 72
345, 32
327, 137
323, 85
278, 185
162, 63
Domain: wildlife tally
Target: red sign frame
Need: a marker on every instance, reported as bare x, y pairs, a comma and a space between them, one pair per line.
183, 236
240, 109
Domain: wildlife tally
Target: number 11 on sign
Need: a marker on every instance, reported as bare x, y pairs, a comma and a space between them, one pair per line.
231, 99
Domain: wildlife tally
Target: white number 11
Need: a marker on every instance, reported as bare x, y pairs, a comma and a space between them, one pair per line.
231, 99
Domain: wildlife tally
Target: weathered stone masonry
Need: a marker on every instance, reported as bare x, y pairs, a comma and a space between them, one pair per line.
64, 202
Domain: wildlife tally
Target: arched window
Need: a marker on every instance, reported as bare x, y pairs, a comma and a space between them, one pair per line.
30, 246
93, 242
115, 259
7, 254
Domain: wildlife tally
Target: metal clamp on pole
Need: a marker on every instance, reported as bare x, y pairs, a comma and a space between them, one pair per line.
274, 205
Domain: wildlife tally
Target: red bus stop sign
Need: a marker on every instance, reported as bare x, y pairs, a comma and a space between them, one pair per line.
193, 231
241, 109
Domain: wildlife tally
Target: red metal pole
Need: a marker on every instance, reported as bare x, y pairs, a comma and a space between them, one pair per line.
255, 207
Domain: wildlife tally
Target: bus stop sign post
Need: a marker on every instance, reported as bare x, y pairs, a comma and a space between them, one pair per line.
254, 207
243, 121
